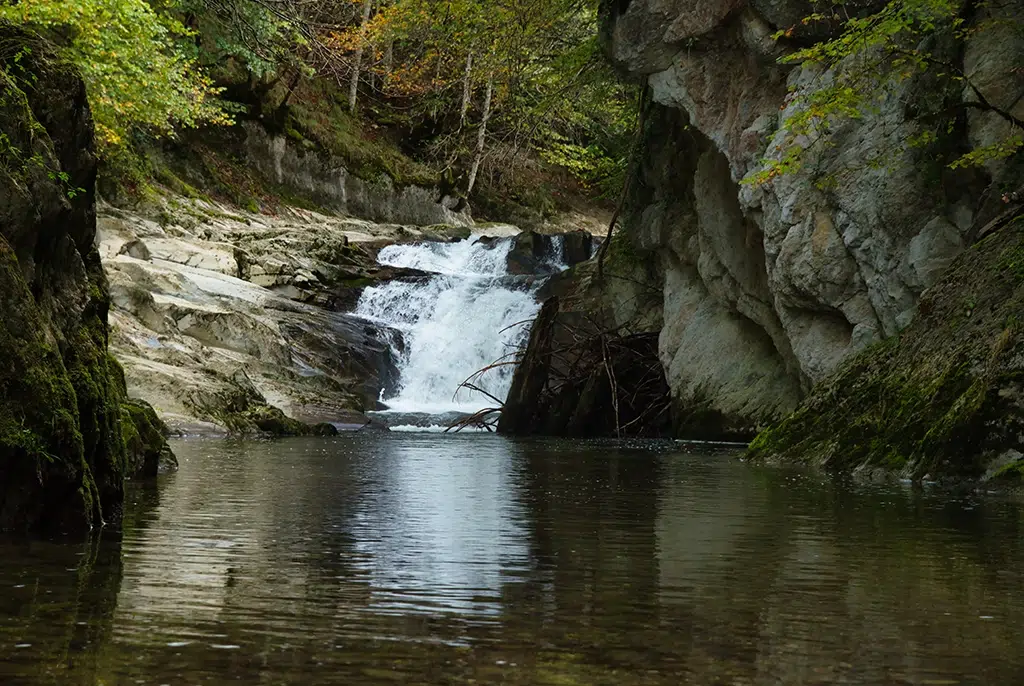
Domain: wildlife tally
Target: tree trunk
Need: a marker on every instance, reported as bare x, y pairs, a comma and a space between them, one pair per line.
481, 137
389, 58
467, 90
353, 89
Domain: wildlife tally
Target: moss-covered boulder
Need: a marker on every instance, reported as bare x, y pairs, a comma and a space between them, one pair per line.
943, 399
244, 411
145, 441
62, 460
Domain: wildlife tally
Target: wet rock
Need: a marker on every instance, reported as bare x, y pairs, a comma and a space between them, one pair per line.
540, 254
529, 250
145, 440
577, 246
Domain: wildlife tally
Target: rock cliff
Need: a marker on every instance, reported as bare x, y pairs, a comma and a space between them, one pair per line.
62, 454
766, 289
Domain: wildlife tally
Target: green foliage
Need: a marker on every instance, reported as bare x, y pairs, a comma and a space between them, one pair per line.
859, 68
557, 111
20, 151
129, 56
554, 95
242, 30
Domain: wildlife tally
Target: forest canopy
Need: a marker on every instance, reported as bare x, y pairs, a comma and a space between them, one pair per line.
493, 89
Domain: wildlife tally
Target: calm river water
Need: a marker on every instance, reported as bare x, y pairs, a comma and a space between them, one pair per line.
455, 560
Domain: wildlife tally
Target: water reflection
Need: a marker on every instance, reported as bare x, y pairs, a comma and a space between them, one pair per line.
440, 560
440, 529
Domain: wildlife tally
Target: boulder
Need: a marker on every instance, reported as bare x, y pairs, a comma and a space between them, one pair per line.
145, 441
541, 254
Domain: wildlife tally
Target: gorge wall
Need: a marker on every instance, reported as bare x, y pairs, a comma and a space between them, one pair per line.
63, 459
766, 289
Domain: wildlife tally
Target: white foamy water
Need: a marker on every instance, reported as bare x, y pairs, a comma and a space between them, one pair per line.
467, 317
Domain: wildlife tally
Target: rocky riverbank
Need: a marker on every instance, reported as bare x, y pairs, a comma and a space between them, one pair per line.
229, 321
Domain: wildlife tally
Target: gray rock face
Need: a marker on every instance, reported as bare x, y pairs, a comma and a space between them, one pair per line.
768, 288
227, 321
326, 180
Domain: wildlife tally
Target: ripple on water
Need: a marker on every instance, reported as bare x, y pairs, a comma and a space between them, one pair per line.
429, 559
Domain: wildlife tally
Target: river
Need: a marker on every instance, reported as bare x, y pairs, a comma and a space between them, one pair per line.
425, 559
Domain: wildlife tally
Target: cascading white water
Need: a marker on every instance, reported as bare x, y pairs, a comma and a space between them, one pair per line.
454, 324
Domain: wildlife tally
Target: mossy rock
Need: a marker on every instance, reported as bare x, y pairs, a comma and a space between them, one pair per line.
943, 399
145, 440
245, 412
61, 450
42, 459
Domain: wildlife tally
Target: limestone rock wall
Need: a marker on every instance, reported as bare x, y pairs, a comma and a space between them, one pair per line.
326, 180
768, 288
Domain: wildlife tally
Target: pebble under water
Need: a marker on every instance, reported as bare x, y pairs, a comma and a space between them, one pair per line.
424, 559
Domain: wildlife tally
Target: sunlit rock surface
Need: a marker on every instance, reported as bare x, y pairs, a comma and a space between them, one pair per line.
219, 313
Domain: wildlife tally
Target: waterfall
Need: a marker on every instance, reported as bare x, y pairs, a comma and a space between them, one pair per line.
466, 316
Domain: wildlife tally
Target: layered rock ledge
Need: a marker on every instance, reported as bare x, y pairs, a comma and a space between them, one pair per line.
229, 321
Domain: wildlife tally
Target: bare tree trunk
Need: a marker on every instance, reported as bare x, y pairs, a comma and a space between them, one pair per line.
467, 90
353, 89
481, 137
632, 169
433, 84
389, 59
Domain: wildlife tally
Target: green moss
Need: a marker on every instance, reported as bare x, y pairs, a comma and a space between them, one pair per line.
165, 176
318, 115
145, 440
1011, 262
938, 399
1012, 472
243, 411
41, 446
